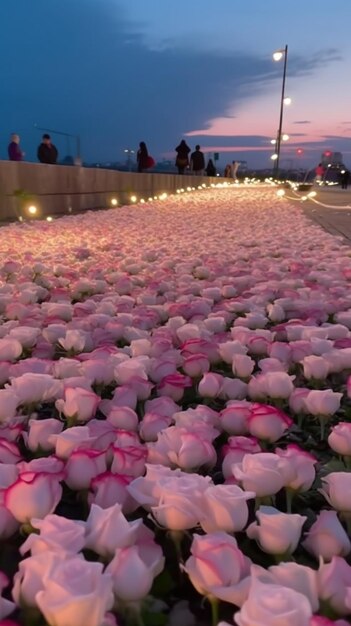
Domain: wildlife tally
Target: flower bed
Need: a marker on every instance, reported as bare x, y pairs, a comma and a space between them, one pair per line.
175, 434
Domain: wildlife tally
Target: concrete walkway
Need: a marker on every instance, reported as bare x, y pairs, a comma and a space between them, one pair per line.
330, 208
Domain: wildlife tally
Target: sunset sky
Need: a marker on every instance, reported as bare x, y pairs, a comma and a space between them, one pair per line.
121, 71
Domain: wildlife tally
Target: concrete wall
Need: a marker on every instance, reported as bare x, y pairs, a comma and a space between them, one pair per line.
60, 189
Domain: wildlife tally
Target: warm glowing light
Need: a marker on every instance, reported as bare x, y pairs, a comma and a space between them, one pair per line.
133, 198
280, 193
278, 55
32, 209
273, 141
285, 137
287, 101
149, 199
303, 198
114, 201
274, 157
142, 201
312, 194
49, 218
188, 188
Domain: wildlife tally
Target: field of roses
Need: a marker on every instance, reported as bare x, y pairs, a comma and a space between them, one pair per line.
175, 416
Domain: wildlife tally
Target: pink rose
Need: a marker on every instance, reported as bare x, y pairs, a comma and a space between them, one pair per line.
337, 490
277, 533
315, 367
10, 349
123, 417
9, 452
33, 495
71, 439
9, 402
340, 438
107, 529
267, 422
261, 473
325, 402
57, 534
225, 508
196, 365
152, 424
299, 469
235, 450
209, 572
234, 417
274, 605
210, 385
108, 489
79, 404
242, 365
129, 460
39, 433
82, 466
297, 400
75, 593
133, 571
35, 388
174, 386
327, 538
334, 585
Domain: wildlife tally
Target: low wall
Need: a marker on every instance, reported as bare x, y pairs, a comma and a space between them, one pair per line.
60, 189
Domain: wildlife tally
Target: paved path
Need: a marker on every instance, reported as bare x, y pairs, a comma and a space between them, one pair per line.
331, 208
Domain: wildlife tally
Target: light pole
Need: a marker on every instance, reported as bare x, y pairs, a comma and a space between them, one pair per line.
129, 152
277, 56
68, 135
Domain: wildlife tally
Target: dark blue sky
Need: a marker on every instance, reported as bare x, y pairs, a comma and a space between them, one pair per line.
121, 71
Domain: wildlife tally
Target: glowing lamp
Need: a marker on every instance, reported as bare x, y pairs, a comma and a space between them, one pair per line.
133, 198
278, 55
114, 201
32, 209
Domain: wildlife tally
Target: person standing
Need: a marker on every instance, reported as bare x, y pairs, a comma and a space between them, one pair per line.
197, 162
47, 152
235, 167
228, 171
210, 169
142, 157
182, 160
319, 173
14, 151
345, 177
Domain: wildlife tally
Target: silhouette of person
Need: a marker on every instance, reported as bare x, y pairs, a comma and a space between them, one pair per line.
197, 162
210, 169
142, 157
14, 151
182, 160
235, 167
345, 177
47, 152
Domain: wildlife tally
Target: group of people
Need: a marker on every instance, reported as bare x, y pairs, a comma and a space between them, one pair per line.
47, 152
196, 162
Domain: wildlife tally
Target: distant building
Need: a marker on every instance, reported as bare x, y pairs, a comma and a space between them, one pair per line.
330, 158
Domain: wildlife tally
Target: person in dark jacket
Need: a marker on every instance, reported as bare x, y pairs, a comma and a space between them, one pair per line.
142, 157
14, 150
47, 152
197, 162
182, 160
344, 178
210, 169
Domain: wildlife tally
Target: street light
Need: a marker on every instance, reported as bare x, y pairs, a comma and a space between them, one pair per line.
277, 56
129, 152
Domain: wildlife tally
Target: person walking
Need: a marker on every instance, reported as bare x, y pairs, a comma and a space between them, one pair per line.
142, 157
210, 169
182, 160
235, 167
345, 177
47, 152
197, 162
14, 151
319, 173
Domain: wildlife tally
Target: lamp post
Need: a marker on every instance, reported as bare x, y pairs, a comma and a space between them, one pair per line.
68, 135
129, 153
277, 56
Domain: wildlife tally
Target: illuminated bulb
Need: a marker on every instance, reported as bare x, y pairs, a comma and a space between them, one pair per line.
312, 194
273, 142
142, 201
280, 193
149, 199
274, 157
188, 188
32, 209
303, 198
114, 201
20, 219
277, 55
287, 101
285, 137
49, 218
133, 198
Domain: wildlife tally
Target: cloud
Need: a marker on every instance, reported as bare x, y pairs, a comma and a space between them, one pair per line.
302, 122
84, 68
